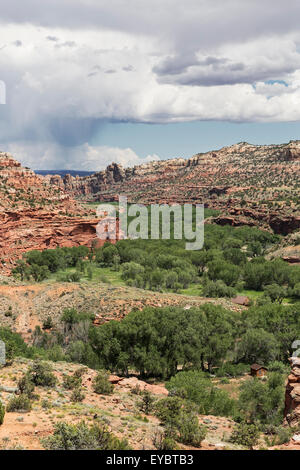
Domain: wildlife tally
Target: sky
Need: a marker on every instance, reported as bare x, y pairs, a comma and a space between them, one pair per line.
89, 82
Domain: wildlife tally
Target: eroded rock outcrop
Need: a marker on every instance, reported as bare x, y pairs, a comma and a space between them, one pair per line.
292, 396
37, 215
260, 184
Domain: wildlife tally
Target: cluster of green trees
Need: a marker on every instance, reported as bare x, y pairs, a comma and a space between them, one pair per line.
38, 265
230, 261
15, 345
165, 264
156, 341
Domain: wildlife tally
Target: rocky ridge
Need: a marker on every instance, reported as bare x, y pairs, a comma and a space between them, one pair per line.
36, 215
253, 185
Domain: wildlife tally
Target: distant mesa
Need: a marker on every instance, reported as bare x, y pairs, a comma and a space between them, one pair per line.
255, 185
64, 172
247, 184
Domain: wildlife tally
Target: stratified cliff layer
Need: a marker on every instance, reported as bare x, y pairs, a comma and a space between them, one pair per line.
254, 185
36, 215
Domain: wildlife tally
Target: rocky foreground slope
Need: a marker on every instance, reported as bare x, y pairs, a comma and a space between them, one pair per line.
119, 411
36, 215
24, 306
254, 185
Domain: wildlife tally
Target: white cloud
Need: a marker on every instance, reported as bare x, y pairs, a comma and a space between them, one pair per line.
140, 61
82, 157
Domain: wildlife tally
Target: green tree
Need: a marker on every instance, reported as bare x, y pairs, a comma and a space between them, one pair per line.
275, 292
83, 437
146, 404
263, 401
257, 345
101, 384
41, 374
245, 434
199, 389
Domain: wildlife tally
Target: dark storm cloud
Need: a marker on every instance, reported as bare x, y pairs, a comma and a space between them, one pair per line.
73, 131
212, 21
180, 53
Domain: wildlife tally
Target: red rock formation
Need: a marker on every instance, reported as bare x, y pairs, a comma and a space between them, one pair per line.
292, 396
37, 215
256, 185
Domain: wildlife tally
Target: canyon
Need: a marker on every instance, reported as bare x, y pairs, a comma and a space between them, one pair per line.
248, 184
36, 215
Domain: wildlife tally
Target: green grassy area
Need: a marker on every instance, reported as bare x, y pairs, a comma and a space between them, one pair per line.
193, 289
109, 276
98, 274
252, 294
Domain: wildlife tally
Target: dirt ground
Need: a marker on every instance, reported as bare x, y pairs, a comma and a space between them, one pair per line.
23, 307
119, 411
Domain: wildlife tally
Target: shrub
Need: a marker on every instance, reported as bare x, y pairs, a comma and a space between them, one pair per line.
48, 323
277, 366
275, 292
218, 289
245, 434
77, 395
2, 413
82, 437
101, 384
80, 372
190, 432
162, 441
14, 344
180, 421
283, 435
41, 374
70, 382
26, 386
46, 404
146, 405
131, 270
263, 401
199, 389
17, 403
168, 409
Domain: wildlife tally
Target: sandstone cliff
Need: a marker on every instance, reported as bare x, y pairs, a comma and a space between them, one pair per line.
256, 185
37, 215
292, 397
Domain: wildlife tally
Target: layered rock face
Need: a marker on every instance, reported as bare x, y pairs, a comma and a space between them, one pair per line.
37, 215
256, 185
292, 396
